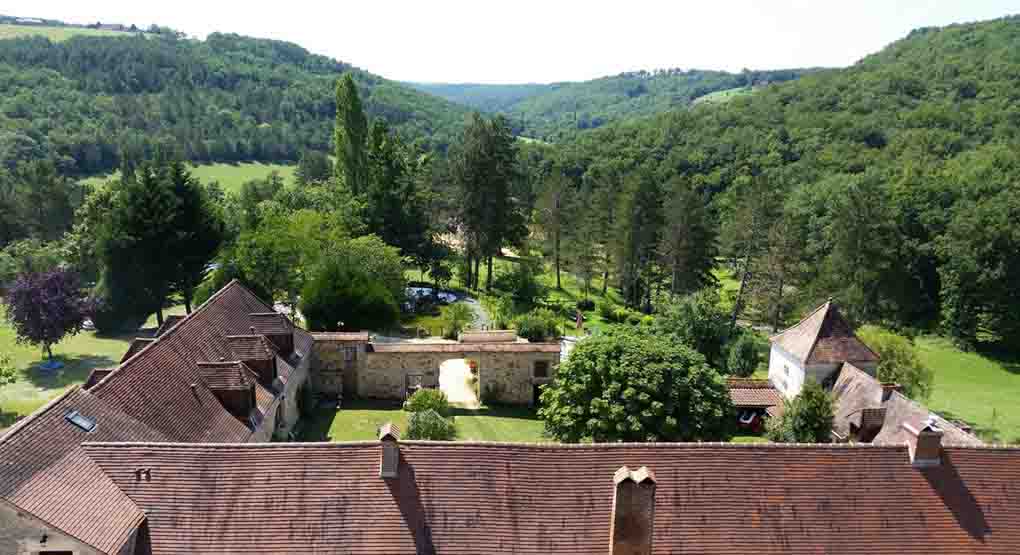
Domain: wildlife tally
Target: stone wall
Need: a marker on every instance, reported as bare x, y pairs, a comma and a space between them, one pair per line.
21, 534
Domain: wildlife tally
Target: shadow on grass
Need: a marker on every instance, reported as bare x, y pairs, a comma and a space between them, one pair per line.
316, 426
498, 411
8, 419
75, 370
1002, 354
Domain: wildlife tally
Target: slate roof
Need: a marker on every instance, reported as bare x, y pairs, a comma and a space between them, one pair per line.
468, 498
855, 391
824, 337
44, 472
745, 392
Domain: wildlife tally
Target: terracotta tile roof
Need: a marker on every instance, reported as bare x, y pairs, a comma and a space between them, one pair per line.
416, 347
468, 498
271, 323
341, 336
250, 347
155, 386
170, 321
824, 337
137, 344
226, 375
44, 472
745, 392
96, 375
856, 391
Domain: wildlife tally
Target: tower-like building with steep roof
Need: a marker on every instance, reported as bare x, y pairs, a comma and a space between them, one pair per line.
816, 348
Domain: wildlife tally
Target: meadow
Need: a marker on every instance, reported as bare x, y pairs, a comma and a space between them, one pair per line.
229, 176
56, 34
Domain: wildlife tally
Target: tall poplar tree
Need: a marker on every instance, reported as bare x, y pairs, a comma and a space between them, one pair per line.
350, 136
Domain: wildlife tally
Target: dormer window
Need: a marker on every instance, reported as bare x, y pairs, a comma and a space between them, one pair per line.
80, 420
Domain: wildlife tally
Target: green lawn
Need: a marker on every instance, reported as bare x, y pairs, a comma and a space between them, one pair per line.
56, 34
229, 176
34, 387
980, 389
359, 420
719, 97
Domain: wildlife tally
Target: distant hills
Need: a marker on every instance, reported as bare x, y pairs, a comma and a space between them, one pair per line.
228, 98
554, 111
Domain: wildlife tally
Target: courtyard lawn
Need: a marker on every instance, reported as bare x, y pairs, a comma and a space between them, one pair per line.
980, 389
359, 421
55, 34
229, 176
34, 387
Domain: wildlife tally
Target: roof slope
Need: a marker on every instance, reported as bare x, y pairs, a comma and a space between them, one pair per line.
460, 498
43, 470
155, 386
746, 392
856, 390
824, 337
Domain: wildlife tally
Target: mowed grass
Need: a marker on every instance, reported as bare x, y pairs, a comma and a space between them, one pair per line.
34, 387
56, 34
980, 389
229, 176
719, 97
360, 421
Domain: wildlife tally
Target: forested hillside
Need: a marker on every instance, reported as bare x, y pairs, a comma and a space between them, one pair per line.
227, 98
555, 111
893, 184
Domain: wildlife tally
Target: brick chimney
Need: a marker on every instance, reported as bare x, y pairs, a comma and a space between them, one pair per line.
926, 450
389, 463
633, 512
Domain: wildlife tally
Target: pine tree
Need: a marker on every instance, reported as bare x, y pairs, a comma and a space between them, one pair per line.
687, 246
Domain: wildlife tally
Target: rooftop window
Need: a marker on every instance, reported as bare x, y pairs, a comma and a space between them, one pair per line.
80, 420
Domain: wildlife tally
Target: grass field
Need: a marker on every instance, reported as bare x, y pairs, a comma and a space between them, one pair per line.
980, 389
719, 97
55, 34
229, 176
359, 421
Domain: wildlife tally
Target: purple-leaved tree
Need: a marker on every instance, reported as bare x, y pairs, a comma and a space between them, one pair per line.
45, 307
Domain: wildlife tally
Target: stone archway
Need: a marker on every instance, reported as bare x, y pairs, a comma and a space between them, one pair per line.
455, 379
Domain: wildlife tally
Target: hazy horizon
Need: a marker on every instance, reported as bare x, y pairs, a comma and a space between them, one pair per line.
533, 42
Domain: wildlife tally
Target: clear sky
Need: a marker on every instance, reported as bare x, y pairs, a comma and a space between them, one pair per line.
518, 41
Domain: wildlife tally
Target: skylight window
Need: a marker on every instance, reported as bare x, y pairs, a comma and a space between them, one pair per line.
80, 420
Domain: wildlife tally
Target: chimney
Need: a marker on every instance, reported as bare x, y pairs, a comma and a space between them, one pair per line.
633, 512
927, 448
389, 464
888, 388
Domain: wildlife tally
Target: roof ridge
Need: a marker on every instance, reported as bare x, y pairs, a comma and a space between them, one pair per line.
63, 531
918, 405
537, 445
21, 424
167, 333
802, 320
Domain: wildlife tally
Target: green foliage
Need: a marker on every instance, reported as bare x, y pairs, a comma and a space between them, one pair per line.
28, 256
314, 166
585, 305
696, 320
538, 325
429, 424
350, 136
521, 283
807, 418
340, 296
227, 98
626, 386
900, 362
744, 356
456, 318
428, 399
8, 372
502, 312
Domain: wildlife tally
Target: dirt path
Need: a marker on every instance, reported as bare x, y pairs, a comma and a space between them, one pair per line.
453, 381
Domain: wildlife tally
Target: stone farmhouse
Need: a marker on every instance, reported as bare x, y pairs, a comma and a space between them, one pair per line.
168, 454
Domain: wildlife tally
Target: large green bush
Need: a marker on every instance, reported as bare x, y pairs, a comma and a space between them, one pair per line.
428, 399
744, 356
456, 318
626, 385
807, 418
522, 283
900, 363
696, 320
428, 424
339, 297
538, 325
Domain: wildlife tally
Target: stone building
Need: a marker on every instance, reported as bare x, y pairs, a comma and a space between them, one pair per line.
509, 369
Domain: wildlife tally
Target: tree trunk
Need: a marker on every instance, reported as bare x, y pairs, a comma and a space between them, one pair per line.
556, 255
779, 304
187, 302
476, 272
159, 315
49, 352
605, 281
488, 274
745, 274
